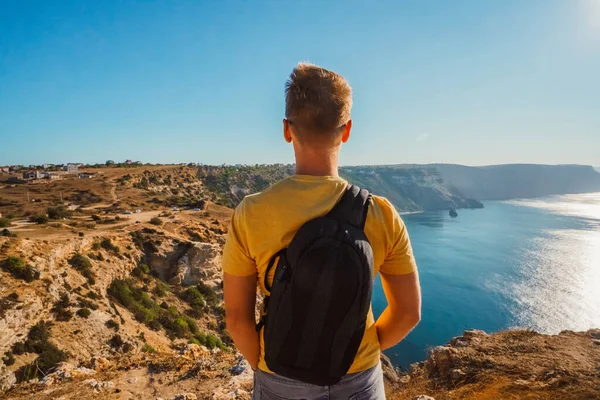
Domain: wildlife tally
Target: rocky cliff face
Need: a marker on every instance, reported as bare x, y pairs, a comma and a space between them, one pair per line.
508, 365
501, 182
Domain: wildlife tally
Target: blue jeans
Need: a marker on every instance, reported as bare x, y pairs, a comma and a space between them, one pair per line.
364, 385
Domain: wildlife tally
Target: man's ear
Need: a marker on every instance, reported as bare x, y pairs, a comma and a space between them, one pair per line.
346, 134
287, 131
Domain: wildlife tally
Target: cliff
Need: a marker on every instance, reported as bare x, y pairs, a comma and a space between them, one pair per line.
507, 365
501, 182
415, 189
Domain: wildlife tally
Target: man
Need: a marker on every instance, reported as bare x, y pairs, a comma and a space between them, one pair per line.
317, 123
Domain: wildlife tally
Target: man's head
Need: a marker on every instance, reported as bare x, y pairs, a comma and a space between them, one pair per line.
317, 107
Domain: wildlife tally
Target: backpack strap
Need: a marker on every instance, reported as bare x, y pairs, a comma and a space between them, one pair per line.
352, 207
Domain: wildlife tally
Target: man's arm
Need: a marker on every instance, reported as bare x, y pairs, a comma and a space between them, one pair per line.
403, 312
239, 293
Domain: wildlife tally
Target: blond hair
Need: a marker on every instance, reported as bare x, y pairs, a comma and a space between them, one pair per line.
317, 103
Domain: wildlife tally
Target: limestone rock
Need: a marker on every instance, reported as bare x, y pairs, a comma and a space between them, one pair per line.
457, 375
186, 396
594, 333
389, 372
471, 333
7, 378
99, 364
440, 361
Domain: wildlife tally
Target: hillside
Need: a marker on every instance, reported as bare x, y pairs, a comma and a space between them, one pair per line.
501, 182
416, 189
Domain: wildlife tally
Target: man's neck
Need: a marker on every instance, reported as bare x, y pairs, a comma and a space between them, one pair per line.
317, 164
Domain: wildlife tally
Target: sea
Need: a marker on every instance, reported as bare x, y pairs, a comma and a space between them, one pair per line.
528, 264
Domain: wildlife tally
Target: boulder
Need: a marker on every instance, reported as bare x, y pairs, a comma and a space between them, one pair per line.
440, 361
423, 397
7, 378
99, 364
594, 333
471, 333
457, 375
186, 396
389, 372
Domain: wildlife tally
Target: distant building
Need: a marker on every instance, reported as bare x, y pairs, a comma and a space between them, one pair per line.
46, 166
86, 175
15, 168
52, 175
32, 175
5, 169
128, 162
72, 168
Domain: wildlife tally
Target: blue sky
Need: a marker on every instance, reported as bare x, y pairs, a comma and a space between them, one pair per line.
469, 82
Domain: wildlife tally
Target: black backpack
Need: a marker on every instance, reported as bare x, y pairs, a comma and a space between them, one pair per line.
316, 313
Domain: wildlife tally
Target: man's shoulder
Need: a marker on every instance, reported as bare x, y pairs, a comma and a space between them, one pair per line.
257, 200
382, 211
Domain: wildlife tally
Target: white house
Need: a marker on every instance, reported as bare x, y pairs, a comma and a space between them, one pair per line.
72, 168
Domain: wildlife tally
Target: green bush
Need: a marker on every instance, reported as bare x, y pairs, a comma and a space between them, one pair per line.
59, 212
8, 358
61, 308
4, 222
148, 349
17, 268
208, 293
193, 297
48, 359
140, 271
156, 221
84, 312
39, 218
5, 232
112, 324
107, 244
83, 264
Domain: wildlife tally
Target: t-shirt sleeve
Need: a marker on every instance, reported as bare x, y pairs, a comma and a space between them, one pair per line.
400, 259
236, 259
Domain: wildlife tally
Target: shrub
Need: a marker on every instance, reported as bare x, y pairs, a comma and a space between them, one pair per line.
8, 358
5, 232
193, 297
96, 246
48, 359
156, 221
17, 268
141, 270
39, 218
82, 264
148, 349
208, 292
84, 312
4, 222
81, 234
112, 324
61, 308
59, 212
107, 244
116, 342
84, 303
161, 289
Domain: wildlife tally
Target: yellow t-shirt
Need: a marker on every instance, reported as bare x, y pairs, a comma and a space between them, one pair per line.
266, 222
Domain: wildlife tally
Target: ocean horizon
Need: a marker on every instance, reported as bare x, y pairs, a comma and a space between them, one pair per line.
516, 264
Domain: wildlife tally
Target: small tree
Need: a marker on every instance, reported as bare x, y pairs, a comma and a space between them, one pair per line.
156, 221
84, 312
4, 222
